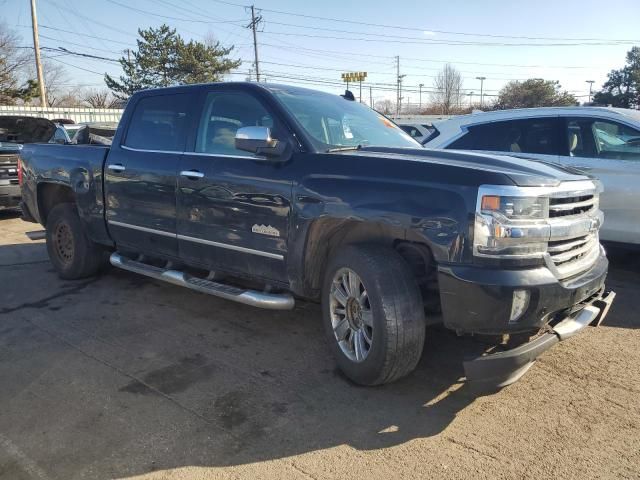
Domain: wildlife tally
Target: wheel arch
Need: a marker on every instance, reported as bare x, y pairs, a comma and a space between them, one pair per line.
50, 194
326, 235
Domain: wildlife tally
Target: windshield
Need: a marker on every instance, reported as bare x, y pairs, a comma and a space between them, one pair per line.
333, 122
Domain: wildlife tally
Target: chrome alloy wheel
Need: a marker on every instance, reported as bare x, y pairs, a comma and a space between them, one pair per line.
351, 315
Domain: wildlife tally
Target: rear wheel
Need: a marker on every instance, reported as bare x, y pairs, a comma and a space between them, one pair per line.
373, 314
71, 252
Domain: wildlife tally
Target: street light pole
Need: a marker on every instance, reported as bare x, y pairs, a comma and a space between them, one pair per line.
482, 79
590, 82
420, 97
471, 99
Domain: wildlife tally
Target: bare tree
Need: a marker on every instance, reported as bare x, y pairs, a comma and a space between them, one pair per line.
448, 89
14, 83
99, 99
386, 106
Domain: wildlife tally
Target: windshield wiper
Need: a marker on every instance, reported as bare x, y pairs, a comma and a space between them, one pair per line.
344, 149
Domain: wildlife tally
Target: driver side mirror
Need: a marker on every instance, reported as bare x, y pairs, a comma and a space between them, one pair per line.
258, 140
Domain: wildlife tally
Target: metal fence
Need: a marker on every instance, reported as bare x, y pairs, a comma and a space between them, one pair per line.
77, 114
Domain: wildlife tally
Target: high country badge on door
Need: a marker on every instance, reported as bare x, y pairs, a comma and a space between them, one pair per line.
266, 230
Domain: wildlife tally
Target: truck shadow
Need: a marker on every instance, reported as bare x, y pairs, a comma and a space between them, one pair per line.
155, 377
624, 279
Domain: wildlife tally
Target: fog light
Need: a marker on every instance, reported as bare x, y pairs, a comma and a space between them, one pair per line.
519, 305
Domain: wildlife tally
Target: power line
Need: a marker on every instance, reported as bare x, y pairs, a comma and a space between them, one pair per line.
446, 32
169, 17
387, 35
444, 42
85, 35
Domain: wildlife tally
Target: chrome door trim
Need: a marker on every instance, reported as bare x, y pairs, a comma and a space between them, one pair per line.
276, 256
173, 152
224, 155
199, 154
142, 229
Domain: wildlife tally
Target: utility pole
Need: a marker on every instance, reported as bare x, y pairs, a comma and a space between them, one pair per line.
253, 26
36, 48
398, 79
420, 97
590, 82
482, 79
370, 96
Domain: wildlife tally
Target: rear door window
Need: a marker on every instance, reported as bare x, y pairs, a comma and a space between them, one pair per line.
160, 123
537, 136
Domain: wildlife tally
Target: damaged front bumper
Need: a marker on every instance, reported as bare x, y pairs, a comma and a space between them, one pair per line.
503, 368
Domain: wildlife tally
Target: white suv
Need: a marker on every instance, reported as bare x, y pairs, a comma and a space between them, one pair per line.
603, 142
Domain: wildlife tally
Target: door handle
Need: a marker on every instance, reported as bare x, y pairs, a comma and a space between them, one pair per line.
116, 167
191, 174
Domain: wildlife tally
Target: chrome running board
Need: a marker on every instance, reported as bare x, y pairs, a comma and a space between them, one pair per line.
271, 301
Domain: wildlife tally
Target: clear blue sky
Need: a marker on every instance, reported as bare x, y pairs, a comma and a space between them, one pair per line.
297, 40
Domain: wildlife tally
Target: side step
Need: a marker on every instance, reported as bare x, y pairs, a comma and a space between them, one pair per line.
271, 301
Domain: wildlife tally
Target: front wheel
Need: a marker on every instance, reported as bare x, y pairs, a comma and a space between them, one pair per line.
71, 252
373, 314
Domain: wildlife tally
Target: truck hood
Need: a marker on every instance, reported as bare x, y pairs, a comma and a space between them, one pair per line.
522, 172
20, 130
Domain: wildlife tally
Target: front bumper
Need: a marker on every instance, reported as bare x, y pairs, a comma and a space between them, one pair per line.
503, 368
478, 300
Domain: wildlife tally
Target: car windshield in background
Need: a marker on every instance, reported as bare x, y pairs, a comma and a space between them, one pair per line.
335, 123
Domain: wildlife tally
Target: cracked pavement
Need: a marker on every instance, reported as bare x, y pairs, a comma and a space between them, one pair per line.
125, 377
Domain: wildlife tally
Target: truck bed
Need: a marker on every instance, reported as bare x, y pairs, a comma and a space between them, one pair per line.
80, 167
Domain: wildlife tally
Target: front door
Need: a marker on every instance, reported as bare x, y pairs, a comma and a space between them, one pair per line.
234, 206
610, 151
140, 175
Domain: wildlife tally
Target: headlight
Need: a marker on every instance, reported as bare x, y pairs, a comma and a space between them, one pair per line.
516, 208
510, 226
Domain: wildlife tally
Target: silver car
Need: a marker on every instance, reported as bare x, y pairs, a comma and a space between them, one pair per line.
603, 142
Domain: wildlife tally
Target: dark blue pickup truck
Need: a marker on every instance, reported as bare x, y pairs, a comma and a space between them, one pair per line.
266, 193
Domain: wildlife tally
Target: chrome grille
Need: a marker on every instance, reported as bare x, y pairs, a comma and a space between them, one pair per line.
575, 219
570, 206
565, 252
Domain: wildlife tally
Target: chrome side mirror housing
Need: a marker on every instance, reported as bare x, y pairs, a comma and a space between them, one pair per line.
256, 140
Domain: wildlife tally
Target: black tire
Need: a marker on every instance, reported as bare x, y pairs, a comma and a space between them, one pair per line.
395, 305
71, 252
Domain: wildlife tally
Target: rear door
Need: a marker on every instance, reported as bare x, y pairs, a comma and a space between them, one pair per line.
538, 138
610, 151
140, 174
234, 206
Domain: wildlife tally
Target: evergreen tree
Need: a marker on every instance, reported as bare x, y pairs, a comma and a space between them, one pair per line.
163, 59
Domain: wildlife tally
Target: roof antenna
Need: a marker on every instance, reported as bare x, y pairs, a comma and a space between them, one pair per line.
348, 96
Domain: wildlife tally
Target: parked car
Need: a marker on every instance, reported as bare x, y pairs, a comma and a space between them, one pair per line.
603, 142
15, 131
262, 193
84, 134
